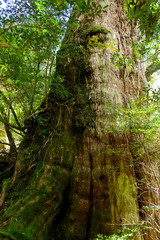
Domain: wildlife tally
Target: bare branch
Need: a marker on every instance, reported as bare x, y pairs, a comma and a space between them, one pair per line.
5, 143
11, 108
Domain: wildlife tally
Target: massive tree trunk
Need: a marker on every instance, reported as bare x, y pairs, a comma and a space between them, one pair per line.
74, 178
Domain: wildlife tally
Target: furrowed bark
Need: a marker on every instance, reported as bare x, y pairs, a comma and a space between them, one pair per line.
74, 178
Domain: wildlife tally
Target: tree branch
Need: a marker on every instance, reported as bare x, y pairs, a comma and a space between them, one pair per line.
11, 125
152, 68
11, 108
5, 143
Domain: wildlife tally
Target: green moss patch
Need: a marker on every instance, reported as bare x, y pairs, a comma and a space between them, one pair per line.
4, 235
93, 30
83, 114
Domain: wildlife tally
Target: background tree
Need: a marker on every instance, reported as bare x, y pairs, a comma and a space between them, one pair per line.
29, 38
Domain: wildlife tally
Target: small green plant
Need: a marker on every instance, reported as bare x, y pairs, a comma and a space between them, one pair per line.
125, 232
59, 79
96, 41
43, 133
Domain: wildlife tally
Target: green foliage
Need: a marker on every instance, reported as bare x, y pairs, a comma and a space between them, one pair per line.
13, 235
94, 42
140, 119
125, 232
6, 236
140, 113
43, 133
90, 8
90, 31
147, 14
148, 208
97, 42
59, 93
30, 35
21, 236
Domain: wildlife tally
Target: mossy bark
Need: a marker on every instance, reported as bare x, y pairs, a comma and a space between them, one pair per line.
73, 179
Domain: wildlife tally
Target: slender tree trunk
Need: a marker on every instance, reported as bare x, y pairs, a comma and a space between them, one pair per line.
73, 178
